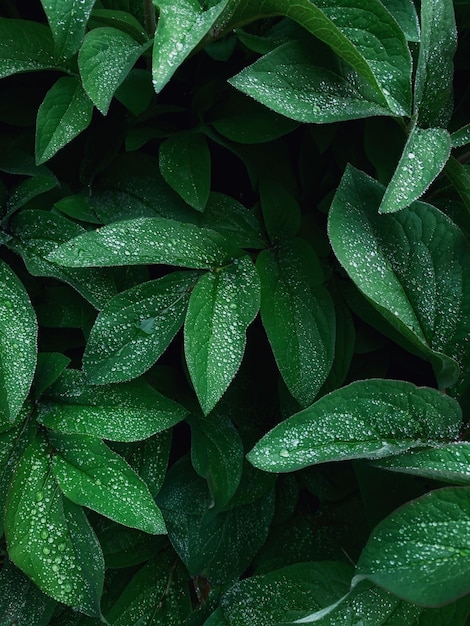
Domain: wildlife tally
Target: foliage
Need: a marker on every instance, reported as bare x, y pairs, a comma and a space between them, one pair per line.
234, 312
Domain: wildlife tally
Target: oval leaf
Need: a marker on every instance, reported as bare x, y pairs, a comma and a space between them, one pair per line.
366, 419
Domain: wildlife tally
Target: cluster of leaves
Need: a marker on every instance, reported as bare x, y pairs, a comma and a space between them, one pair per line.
167, 455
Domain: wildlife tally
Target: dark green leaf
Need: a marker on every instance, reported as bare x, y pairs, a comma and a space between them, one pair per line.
461, 137
50, 366
459, 176
404, 11
27, 190
65, 112
67, 20
221, 307
149, 459
366, 419
121, 20
281, 211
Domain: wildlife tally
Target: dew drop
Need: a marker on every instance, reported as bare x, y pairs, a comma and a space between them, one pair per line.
284, 453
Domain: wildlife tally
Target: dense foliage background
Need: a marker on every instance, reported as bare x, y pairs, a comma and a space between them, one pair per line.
234, 312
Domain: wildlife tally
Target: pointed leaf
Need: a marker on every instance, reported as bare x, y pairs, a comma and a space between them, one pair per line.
92, 475
105, 59
27, 190
420, 552
434, 73
404, 11
424, 156
222, 306
122, 412
461, 137
18, 344
180, 28
141, 321
185, 164
146, 240
424, 295
289, 81
366, 419
50, 538
65, 112
68, 20
298, 316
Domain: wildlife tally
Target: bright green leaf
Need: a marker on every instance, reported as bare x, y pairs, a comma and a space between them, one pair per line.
92, 475
18, 343
424, 156
404, 11
411, 265
222, 306
420, 552
185, 164
122, 412
50, 538
105, 59
366, 419
146, 240
65, 112
298, 316
68, 20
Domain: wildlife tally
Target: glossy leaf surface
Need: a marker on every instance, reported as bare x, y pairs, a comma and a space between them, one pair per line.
25, 46
68, 22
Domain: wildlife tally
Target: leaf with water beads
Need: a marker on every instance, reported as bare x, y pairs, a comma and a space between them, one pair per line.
135, 328
144, 241
420, 552
222, 306
92, 475
68, 20
366, 419
424, 156
18, 344
49, 538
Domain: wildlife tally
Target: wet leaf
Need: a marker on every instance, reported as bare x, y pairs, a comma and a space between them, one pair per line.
366, 419
136, 327
420, 552
461, 137
49, 538
122, 412
50, 366
27, 190
424, 156
18, 344
222, 306
68, 20
404, 11
92, 475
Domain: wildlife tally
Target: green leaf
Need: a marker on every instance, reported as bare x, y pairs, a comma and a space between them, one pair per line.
298, 316
146, 240
461, 137
50, 366
281, 211
18, 343
217, 455
49, 538
92, 475
143, 321
68, 22
180, 28
65, 112
185, 164
222, 306
434, 72
105, 59
37, 233
121, 20
366, 419
459, 176
423, 295
28, 190
420, 552
290, 82
149, 459
404, 11
424, 156
123, 412
448, 463
25, 46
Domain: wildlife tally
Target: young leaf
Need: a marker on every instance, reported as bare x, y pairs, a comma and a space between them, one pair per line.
185, 164
222, 306
68, 20
424, 156
289, 81
105, 59
146, 240
123, 412
434, 73
18, 344
298, 316
423, 294
92, 475
420, 552
136, 327
180, 28
65, 112
366, 419
50, 538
